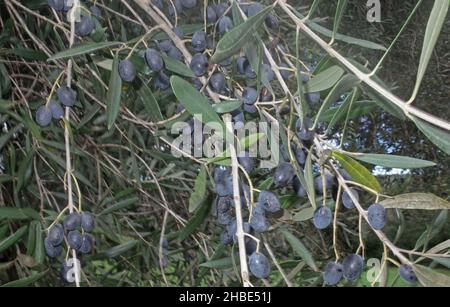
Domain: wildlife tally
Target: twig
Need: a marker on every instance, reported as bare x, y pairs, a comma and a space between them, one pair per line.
366, 78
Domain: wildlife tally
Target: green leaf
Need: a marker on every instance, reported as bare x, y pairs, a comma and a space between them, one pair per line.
194, 101
359, 173
147, 98
417, 201
358, 109
227, 107
431, 278
434, 26
177, 67
12, 239
345, 38
197, 220
27, 53
309, 180
324, 80
125, 203
82, 49
39, 251
11, 213
26, 281
199, 190
344, 85
120, 249
224, 263
439, 137
7, 136
240, 35
114, 93
249, 141
300, 249
340, 10
304, 215
393, 161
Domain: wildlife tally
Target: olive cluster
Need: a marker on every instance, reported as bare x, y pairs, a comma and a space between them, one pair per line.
75, 231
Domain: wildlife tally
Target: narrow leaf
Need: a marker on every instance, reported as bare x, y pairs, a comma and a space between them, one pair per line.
234, 40
300, 249
114, 93
82, 49
439, 137
393, 161
324, 80
199, 190
434, 26
417, 201
359, 173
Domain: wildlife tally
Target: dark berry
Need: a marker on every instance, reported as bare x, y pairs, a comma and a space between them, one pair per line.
57, 5
241, 64
407, 273
353, 266
175, 53
154, 59
347, 201
249, 95
199, 64
318, 183
322, 217
162, 81
56, 235
165, 46
303, 129
226, 238
217, 82
87, 242
220, 9
250, 72
75, 239
267, 72
57, 110
333, 273
313, 98
377, 216
259, 221
178, 32
225, 25
159, 4
269, 201
87, 221
66, 271
283, 174
224, 204
272, 21
199, 41
85, 26
247, 162
298, 188
95, 10
72, 221
250, 246
285, 72
44, 116
66, 96
224, 218
127, 71
211, 15
224, 187
254, 9
300, 155
51, 250
178, 8
251, 109
259, 265
189, 4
